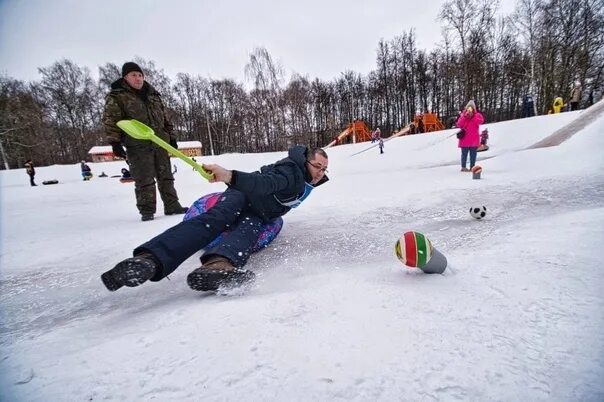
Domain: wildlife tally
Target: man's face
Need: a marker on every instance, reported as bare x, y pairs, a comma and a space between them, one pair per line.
317, 167
135, 79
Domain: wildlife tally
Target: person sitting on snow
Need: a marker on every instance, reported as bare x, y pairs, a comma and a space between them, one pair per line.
86, 171
484, 137
126, 174
250, 200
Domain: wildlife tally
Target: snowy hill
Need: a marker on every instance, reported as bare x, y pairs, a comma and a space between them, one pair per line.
518, 316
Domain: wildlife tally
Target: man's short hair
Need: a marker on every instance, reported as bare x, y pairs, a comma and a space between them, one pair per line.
314, 151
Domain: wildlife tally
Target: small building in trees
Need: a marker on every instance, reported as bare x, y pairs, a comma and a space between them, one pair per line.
104, 153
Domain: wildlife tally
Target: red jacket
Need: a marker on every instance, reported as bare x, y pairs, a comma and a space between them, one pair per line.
472, 127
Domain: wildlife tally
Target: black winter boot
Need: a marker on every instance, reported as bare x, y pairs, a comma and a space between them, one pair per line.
218, 272
131, 272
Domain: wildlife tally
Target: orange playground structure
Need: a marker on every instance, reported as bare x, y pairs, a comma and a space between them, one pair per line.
357, 131
430, 122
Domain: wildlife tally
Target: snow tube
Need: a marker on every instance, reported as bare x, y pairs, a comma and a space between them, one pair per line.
267, 235
126, 180
482, 148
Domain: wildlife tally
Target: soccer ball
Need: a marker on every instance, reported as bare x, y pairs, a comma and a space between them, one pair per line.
413, 249
478, 212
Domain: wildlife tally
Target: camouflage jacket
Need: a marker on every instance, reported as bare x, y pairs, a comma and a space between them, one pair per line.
145, 105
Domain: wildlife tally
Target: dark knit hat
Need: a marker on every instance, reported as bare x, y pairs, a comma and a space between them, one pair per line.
129, 67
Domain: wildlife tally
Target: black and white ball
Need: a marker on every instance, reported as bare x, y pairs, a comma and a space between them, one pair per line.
478, 212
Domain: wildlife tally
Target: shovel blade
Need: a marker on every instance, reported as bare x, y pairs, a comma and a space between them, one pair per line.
136, 129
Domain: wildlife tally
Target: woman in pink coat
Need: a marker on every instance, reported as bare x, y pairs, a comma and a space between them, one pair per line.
470, 121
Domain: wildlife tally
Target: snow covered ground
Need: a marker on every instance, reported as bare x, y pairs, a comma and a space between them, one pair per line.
518, 316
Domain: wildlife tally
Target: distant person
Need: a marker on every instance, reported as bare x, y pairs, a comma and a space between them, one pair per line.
131, 97
412, 128
558, 105
126, 173
250, 200
420, 124
376, 135
575, 96
381, 145
31, 171
484, 138
528, 106
451, 123
86, 171
470, 121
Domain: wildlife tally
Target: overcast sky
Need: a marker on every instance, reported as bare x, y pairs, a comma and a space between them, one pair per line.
210, 38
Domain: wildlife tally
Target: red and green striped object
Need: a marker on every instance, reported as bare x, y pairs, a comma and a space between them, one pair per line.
413, 249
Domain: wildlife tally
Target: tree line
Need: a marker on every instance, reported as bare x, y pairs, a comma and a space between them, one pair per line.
540, 49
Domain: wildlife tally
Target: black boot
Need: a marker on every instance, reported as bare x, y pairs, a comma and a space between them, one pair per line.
218, 272
176, 211
131, 272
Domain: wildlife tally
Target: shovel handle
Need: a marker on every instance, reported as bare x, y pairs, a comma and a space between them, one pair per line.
141, 131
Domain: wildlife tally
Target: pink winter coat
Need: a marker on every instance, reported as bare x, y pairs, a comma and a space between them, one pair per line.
472, 127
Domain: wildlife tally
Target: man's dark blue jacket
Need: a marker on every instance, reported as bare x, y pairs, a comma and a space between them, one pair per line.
281, 182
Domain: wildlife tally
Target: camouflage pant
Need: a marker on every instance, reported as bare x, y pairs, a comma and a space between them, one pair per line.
146, 165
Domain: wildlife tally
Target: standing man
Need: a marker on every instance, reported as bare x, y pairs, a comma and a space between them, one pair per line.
29, 169
131, 97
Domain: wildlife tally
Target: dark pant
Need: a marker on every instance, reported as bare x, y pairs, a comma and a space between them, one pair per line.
574, 106
464, 156
31, 180
528, 111
146, 165
175, 245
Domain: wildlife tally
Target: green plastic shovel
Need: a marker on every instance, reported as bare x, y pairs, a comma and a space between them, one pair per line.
140, 131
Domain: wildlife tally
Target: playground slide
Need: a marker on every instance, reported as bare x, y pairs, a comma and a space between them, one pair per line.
394, 135
339, 138
403, 131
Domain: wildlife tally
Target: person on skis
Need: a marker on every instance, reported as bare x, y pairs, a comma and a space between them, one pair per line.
250, 200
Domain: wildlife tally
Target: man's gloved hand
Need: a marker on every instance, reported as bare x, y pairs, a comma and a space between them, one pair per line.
173, 143
118, 150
